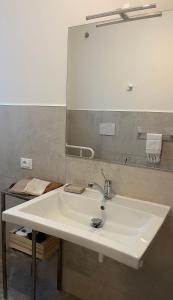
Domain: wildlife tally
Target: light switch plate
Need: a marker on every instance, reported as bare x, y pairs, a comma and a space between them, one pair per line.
107, 129
26, 163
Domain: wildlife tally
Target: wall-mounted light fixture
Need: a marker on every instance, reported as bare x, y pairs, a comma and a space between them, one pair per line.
124, 16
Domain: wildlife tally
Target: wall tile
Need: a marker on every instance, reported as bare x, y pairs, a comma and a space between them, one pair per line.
39, 132
142, 183
34, 132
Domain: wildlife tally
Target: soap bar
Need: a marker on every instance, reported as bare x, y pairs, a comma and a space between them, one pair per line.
73, 188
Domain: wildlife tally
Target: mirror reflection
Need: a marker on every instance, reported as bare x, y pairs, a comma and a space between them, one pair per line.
119, 92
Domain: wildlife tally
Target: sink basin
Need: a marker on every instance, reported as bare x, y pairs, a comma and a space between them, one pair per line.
129, 229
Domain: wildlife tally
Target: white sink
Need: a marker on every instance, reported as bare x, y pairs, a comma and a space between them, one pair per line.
129, 229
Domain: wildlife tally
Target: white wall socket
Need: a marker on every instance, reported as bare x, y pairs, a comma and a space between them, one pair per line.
26, 163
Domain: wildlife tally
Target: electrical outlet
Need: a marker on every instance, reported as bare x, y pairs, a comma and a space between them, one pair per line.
26, 163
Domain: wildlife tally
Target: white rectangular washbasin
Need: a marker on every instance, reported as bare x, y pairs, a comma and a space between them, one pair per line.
129, 229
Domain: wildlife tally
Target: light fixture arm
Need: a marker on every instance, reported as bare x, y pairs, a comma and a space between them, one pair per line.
121, 11
130, 19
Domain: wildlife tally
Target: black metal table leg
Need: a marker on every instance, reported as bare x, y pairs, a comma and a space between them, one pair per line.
34, 271
59, 266
3, 243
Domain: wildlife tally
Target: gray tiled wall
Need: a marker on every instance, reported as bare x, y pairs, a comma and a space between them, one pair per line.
124, 146
35, 132
39, 132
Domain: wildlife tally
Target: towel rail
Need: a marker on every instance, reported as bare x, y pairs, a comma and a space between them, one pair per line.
167, 134
81, 149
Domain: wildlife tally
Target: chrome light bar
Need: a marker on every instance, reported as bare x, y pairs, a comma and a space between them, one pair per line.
130, 19
122, 11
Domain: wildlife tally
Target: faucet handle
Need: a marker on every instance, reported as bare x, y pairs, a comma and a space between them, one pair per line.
103, 174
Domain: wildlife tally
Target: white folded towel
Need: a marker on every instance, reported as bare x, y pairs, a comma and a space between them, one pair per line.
36, 187
153, 147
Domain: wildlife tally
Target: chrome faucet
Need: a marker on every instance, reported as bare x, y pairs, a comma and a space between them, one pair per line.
107, 194
107, 190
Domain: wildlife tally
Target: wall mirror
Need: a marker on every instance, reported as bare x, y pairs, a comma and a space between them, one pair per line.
120, 89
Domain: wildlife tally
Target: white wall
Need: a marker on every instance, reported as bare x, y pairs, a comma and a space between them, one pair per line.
101, 67
33, 46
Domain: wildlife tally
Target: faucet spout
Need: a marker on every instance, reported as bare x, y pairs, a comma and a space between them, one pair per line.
107, 194
98, 187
